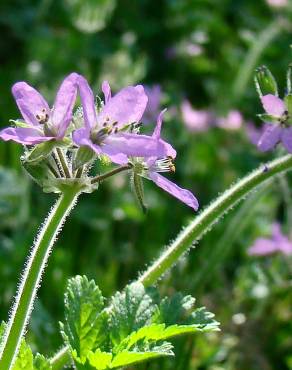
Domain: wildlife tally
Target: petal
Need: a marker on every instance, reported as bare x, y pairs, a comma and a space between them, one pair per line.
106, 89
182, 194
27, 136
286, 137
273, 105
262, 247
134, 145
157, 131
29, 101
126, 107
270, 137
87, 101
64, 103
81, 137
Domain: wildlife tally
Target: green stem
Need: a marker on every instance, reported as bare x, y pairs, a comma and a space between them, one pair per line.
31, 278
203, 223
110, 173
61, 359
63, 163
207, 218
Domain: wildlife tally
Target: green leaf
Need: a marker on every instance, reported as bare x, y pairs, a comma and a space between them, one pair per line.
172, 310
41, 363
24, 360
132, 309
203, 320
99, 360
127, 358
85, 322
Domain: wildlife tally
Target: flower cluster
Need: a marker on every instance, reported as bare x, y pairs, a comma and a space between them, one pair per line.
68, 142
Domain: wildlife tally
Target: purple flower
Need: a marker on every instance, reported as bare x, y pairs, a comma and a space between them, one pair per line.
278, 242
232, 121
42, 123
152, 109
279, 130
151, 168
195, 120
105, 131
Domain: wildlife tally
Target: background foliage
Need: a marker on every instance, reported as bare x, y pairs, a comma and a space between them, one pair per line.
202, 50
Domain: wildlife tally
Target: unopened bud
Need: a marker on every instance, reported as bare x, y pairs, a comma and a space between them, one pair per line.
265, 82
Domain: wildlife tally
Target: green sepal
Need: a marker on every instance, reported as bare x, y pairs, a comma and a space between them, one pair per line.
39, 171
98, 103
138, 188
288, 79
19, 123
267, 118
288, 102
40, 152
83, 156
61, 185
265, 82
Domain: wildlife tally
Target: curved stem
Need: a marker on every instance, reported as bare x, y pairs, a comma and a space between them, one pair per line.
208, 217
31, 277
110, 173
61, 359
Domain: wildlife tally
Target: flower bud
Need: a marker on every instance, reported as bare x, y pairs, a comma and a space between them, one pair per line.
265, 82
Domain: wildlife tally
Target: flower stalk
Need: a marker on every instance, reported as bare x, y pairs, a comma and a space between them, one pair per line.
208, 217
31, 277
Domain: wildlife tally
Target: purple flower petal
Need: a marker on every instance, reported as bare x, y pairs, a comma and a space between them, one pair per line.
262, 247
270, 137
87, 100
23, 135
273, 105
30, 102
169, 150
182, 194
64, 103
133, 145
81, 137
106, 89
126, 107
286, 137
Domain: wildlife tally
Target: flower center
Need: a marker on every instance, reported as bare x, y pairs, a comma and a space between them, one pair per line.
284, 119
141, 167
42, 117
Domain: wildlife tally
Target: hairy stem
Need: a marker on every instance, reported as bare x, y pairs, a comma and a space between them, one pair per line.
63, 162
31, 277
208, 217
110, 173
61, 359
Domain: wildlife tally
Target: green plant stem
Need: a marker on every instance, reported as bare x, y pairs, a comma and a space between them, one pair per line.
203, 223
208, 217
61, 359
31, 277
63, 163
110, 173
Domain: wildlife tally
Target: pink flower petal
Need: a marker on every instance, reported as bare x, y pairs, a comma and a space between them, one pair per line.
126, 107
182, 194
270, 137
30, 102
273, 105
106, 89
87, 100
23, 135
64, 103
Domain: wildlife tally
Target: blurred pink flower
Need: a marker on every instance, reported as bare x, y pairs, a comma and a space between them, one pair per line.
194, 119
232, 121
278, 242
277, 3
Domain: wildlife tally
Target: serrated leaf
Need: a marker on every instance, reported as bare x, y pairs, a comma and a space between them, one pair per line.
24, 360
84, 328
99, 360
173, 309
127, 358
41, 363
203, 320
132, 309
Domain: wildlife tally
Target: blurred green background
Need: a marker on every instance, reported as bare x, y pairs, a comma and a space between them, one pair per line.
204, 51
